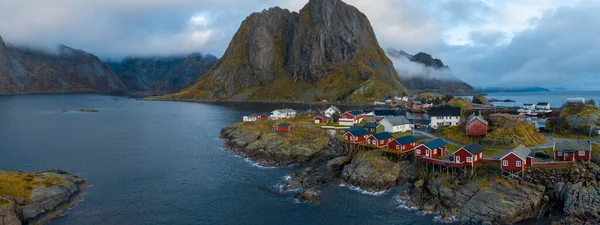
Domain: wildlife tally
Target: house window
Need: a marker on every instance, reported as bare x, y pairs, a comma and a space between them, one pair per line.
418, 152
475, 157
435, 151
504, 162
518, 163
559, 153
381, 142
469, 159
347, 138
397, 146
481, 155
457, 159
581, 153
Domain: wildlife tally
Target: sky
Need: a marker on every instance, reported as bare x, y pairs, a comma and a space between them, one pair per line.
488, 43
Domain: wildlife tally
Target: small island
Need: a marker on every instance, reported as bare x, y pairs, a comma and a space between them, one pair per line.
36, 198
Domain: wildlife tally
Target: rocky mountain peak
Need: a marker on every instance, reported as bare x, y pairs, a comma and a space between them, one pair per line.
428, 60
327, 42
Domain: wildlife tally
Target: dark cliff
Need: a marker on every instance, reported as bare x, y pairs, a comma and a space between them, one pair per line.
435, 77
25, 70
326, 51
162, 74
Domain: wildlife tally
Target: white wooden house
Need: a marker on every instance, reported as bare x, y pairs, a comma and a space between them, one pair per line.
250, 118
396, 124
283, 113
444, 116
331, 110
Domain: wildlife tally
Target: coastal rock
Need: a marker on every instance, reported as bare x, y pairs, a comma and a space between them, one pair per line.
372, 171
315, 176
269, 148
8, 213
45, 202
311, 196
480, 201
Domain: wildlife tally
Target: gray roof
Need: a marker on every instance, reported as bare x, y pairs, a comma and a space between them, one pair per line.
335, 108
286, 110
398, 120
474, 148
521, 151
480, 118
572, 145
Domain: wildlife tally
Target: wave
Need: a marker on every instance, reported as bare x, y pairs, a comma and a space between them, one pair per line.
402, 204
255, 164
354, 188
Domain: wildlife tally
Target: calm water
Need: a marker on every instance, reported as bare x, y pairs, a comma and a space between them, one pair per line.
163, 163
556, 99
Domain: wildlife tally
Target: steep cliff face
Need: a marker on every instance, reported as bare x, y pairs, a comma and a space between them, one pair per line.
162, 74
26, 70
431, 76
326, 51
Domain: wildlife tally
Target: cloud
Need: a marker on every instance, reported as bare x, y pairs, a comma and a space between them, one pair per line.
561, 51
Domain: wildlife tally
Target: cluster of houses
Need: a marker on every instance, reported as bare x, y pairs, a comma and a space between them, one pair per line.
535, 109
274, 115
513, 163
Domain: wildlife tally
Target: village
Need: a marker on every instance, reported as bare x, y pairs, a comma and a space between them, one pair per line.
400, 133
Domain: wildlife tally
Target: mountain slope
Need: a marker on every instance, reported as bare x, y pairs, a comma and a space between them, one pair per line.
24, 70
162, 74
326, 51
431, 75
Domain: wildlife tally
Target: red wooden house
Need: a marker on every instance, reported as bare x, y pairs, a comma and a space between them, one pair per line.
476, 126
434, 148
380, 139
322, 119
350, 118
469, 155
356, 135
403, 144
262, 116
572, 151
285, 127
518, 159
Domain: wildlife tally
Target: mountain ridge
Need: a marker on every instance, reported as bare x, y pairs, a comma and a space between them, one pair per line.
434, 76
161, 74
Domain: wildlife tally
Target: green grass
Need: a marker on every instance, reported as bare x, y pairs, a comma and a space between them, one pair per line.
19, 184
453, 148
487, 152
397, 135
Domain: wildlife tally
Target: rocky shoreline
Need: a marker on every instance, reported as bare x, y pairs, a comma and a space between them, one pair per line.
53, 194
569, 195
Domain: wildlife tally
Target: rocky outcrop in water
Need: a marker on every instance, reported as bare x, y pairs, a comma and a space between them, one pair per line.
26, 70
45, 202
161, 75
327, 50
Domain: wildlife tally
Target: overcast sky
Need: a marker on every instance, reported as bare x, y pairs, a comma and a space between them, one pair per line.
550, 43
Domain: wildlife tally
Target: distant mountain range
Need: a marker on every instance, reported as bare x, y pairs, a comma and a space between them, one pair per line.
432, 76
326, 51
162, 74
28, 70
24, 70
512, 89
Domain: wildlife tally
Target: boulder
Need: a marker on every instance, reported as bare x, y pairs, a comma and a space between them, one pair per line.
372, 171
311, 196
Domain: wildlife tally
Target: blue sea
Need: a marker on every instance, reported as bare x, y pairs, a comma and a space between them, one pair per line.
163, 163
556, 99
